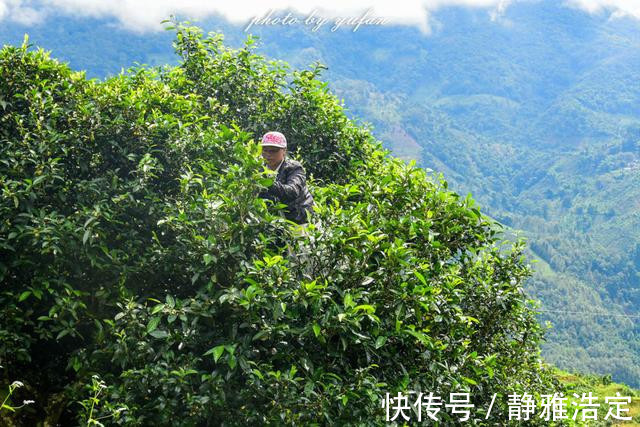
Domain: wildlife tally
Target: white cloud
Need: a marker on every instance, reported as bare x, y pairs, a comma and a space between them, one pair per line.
18, 11
145, 15
27, 15
618, 8
498, 12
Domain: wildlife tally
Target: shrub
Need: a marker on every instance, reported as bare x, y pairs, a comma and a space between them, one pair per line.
134, 246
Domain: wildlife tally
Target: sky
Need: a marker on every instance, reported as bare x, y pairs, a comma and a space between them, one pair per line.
146, 15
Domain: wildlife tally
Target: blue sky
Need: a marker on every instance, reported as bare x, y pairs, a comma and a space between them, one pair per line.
145, 15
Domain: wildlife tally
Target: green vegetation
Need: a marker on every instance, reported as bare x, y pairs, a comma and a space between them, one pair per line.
601, 387
144, 282
6, 399
533, 111
534, 115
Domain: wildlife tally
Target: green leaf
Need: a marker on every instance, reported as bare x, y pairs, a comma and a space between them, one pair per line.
216, 351
170, 301
153, 324
232, 361
421, 277
159, 333
24, 296
260, 335
489, 371
469, 380
266, 182
230, 348
76, 364
380, 342
316, 330
308, 388
195, 277
365, 307
348, 300
367, 280
38, 180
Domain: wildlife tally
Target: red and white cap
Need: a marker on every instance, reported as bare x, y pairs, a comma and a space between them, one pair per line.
274, 139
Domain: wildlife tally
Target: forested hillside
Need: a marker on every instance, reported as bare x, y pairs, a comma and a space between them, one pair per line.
144, 281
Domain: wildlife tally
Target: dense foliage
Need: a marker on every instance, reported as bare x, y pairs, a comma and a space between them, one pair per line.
139, 269
533, 110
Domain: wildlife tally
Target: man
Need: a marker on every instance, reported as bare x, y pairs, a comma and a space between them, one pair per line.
290, 186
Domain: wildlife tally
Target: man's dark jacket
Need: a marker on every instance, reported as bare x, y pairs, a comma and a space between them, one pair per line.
290, 188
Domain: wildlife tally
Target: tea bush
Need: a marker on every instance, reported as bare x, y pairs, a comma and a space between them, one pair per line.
134, 247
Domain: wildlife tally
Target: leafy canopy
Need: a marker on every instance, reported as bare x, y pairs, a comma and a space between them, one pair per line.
133, 246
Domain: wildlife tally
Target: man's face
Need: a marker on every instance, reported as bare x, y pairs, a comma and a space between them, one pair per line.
273, 156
